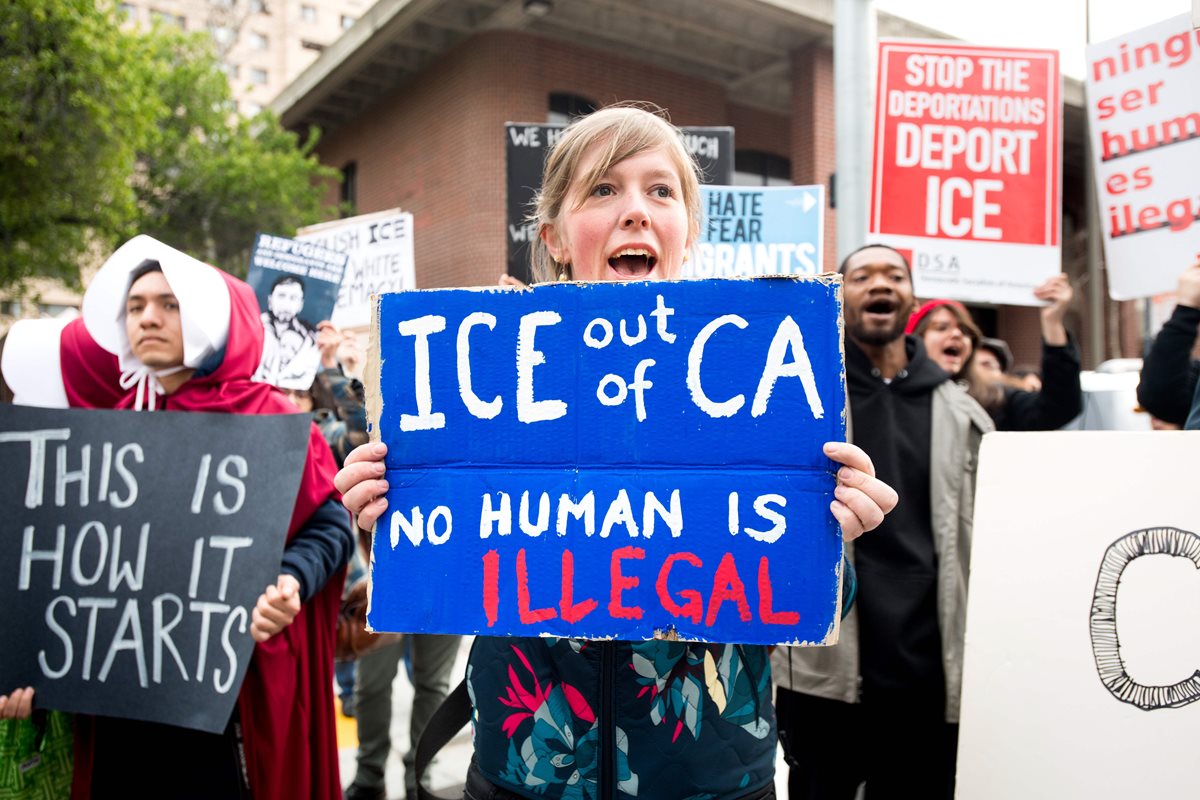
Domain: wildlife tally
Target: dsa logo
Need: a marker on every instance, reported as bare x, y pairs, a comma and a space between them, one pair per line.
937, 262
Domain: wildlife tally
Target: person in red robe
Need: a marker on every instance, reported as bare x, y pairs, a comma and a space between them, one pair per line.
162, 331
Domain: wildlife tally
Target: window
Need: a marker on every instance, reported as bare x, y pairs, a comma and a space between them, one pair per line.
259, 7
308, 13
258, 41
258, 76
347, 22
566, 107
755, 168
52, 309
231, 71
223, 35
349, 193
11, 307
169, 19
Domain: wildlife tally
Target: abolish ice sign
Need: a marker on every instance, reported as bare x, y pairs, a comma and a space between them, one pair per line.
634, 461
967, 167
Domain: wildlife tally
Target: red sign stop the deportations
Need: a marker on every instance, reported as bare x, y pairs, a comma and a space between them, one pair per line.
967, 167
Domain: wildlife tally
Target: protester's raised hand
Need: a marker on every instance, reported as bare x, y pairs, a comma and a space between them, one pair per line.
362, 484
18, 704
329, 338
1058, 293
861, 500
349, 354
276, 608
1188, 293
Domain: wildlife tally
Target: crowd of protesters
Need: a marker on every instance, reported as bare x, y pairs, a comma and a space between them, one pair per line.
163, 331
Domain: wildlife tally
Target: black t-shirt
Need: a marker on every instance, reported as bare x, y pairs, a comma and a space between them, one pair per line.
899, 641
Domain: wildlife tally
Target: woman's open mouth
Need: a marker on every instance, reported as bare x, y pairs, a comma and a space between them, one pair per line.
633, 262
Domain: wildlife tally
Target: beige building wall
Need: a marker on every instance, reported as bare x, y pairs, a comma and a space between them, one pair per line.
263, 44
37, 298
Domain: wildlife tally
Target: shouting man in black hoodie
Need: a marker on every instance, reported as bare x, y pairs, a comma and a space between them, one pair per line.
882, 706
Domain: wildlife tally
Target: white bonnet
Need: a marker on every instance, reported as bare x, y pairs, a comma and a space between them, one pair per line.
202, 293
32, 362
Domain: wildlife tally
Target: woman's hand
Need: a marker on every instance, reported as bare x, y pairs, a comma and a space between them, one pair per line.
18, 705
362, 484
862, 500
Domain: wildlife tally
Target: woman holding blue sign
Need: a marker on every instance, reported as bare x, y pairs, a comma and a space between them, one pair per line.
561, 718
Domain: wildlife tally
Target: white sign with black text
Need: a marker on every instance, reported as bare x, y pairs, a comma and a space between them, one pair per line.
380, 247
1082, 666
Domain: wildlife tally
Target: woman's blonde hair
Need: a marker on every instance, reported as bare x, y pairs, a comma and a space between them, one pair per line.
624, 130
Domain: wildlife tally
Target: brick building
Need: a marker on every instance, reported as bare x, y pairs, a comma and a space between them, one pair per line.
412, 102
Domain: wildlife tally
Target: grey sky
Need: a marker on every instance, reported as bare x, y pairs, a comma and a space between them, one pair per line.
1050, 24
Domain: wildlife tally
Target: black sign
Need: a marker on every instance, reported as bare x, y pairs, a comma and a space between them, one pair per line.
133, 548
526, 144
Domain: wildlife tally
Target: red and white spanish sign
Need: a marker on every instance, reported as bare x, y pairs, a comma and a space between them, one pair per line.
967, 169
1143, 92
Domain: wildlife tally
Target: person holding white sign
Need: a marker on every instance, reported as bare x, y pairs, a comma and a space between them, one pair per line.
892, 684
1169, 374
620, 201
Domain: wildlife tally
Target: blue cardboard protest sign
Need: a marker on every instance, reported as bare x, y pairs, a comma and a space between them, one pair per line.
759, 230
635, 460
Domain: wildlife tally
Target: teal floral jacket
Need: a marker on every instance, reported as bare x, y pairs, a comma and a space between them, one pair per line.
593, 720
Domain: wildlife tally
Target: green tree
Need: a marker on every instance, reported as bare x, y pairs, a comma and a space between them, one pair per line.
106, 132
208, 180
71, 119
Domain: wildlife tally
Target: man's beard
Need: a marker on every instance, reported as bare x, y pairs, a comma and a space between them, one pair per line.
877, 337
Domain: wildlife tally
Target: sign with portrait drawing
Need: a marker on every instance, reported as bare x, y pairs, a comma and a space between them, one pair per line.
296, 284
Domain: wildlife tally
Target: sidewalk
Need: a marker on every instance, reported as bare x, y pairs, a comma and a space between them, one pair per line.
450, 769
